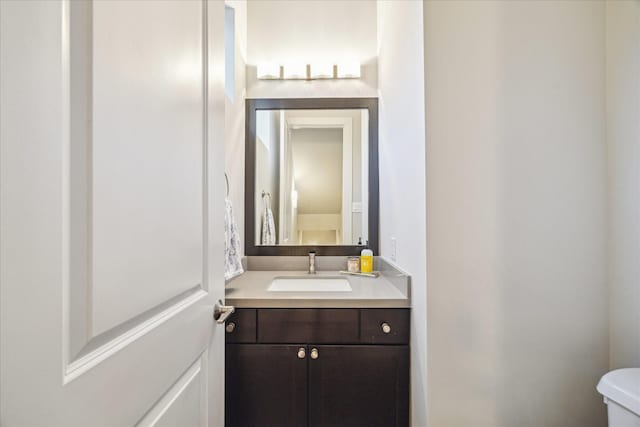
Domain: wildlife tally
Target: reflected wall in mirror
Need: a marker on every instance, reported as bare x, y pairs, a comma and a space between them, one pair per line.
311, 184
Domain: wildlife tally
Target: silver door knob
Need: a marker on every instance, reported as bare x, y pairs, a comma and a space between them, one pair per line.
301, 353
230, 327
385, 328
314, 353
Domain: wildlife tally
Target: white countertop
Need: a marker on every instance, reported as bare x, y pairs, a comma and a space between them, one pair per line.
249, 290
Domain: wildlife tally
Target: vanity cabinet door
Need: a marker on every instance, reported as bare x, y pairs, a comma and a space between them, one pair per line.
266, 385
361, 385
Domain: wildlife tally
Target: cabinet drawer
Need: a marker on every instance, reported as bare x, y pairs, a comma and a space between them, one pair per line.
240, 327
319, 326
374, 331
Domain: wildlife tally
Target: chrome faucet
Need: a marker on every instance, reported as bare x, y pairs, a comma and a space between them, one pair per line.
312, 263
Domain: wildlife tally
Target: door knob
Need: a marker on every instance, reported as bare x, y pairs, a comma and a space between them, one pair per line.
386, 328
221, 312
314, 353
301, 353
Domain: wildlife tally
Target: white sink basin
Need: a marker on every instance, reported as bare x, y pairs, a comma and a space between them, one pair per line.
309, 284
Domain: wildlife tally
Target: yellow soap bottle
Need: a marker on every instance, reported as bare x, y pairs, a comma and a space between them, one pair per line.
366, 261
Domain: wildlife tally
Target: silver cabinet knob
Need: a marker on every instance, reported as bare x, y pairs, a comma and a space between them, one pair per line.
301, 353
230, 327
386, 328
314, 353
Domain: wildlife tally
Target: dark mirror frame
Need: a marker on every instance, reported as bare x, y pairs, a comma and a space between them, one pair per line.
252, 106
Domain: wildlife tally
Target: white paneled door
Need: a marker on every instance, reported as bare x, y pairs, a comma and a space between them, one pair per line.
111, 192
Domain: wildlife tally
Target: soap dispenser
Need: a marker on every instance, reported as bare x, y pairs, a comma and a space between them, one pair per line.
366, 260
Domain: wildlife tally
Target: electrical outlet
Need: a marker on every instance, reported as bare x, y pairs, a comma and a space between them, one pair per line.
394, 249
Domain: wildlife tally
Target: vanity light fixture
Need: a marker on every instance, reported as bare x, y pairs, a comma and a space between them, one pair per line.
298, 71
269, 71
321, 71
295, 71
348, 70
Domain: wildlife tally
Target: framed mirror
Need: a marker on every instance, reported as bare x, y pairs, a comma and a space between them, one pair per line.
311, 180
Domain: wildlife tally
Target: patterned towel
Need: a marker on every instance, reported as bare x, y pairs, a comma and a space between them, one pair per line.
232, 250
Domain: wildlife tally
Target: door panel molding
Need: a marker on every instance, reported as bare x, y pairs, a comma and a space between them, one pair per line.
82, 348
196, 372
107, 344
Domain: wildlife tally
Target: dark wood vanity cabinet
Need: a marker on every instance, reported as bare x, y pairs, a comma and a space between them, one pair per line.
266, 385
359, 386
352, 377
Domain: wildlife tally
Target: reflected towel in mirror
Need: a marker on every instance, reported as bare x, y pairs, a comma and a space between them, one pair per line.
268, 224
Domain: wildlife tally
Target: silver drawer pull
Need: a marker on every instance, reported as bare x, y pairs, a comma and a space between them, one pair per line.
221, 312
301, 353
314, 353
386, 328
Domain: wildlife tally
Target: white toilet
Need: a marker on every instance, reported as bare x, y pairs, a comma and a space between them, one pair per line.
621, 391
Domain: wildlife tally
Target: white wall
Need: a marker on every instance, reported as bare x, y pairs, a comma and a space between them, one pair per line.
280, 31
623, 142
402, 168
517, 312
234, 118
283, 29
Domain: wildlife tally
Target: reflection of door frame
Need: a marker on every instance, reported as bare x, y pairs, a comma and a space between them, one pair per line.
284, 196
344, 123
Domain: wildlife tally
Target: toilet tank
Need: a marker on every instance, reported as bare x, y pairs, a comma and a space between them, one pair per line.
621, 391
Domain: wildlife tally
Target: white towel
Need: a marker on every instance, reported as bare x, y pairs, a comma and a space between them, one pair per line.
232, 251
268, 225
